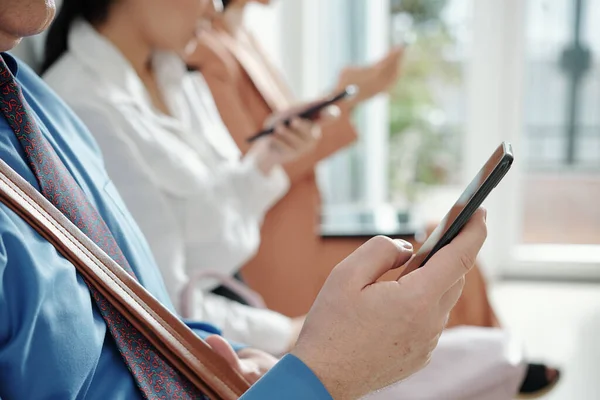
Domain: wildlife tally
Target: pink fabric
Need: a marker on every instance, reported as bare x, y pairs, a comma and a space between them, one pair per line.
470, 363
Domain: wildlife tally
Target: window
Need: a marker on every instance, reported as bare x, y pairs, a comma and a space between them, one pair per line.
533, 82
410, 141
479, 72
320, 39
338, 33
427, 106
561, 143
428, 118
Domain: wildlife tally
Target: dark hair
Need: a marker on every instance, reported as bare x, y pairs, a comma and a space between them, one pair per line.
92, 11
227, 3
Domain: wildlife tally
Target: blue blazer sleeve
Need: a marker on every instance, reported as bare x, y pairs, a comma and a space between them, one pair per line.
290, 379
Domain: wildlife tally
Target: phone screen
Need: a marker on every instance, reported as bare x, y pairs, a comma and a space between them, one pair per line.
488, 177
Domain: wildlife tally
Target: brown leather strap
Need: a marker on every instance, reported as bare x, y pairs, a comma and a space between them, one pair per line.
172, 338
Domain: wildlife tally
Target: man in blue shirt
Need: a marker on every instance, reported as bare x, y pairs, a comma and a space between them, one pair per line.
359, 337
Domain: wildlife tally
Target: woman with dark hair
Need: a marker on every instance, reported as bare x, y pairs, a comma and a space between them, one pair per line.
199, 202
93, 11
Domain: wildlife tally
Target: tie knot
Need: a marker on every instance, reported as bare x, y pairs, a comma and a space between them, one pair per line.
5, 74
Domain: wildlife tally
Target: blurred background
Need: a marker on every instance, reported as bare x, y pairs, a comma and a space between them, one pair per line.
475, 73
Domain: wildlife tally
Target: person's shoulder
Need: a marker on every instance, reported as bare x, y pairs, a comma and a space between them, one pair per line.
85, 94
9, 232
20, 245
30, 81
53, 91
210, 48
72, 81
213, 58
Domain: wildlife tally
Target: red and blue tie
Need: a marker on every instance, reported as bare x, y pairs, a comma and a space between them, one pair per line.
155, 377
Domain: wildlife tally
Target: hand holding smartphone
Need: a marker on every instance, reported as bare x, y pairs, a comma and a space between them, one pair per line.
312, 113
487, 179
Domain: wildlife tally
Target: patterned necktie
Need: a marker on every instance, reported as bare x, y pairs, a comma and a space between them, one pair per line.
155, 378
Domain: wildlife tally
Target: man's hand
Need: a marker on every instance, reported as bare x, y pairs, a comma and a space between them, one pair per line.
252, 364
362, 335
297, 324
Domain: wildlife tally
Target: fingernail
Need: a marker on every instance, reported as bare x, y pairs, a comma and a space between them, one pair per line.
484, 214
404, 244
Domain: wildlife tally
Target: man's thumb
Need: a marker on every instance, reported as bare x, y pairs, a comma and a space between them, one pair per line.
373, 259
224, 349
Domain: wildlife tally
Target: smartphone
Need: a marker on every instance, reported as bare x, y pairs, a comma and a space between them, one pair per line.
312, 113
487, 179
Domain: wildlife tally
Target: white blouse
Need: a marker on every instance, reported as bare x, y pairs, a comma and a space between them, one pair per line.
197, 201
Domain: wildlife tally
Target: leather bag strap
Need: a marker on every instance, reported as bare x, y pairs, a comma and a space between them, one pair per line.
189, 354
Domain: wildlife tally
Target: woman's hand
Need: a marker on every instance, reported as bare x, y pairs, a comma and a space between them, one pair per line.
373, 79
290, 141
286, 144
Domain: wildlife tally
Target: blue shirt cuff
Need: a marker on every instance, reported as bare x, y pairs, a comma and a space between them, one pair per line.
205, 330
290, 379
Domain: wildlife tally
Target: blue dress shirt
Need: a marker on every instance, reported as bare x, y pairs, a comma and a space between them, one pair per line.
53, 342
